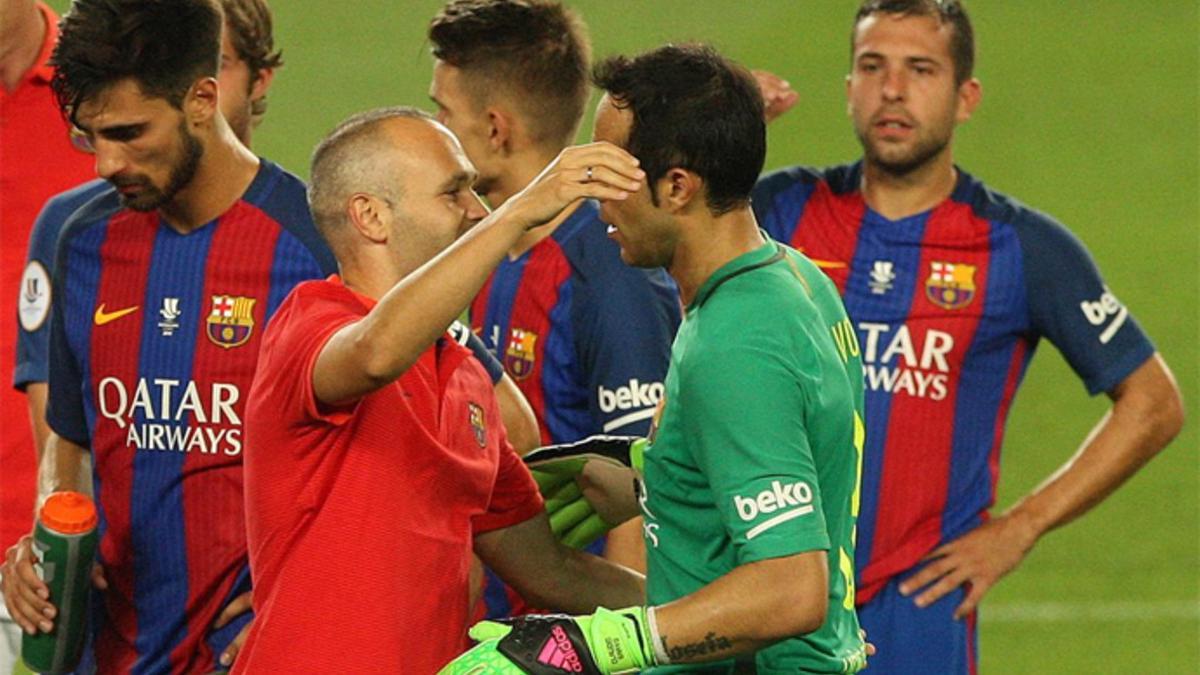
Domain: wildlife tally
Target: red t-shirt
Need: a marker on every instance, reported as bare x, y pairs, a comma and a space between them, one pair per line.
37, 161
360, 519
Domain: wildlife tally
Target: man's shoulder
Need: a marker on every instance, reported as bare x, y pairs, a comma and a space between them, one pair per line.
768, 307
66, 203
84, 206
839, 178
283, 198
312, 300
280, 194
1001, 208
58, 210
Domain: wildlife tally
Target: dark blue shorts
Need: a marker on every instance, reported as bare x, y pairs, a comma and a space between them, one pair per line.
919, 641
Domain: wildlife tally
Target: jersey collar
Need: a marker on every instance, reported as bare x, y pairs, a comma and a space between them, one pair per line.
762, 256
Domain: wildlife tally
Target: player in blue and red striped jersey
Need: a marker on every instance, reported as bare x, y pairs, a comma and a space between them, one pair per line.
248, 63
163, 285
951, 286
586, 338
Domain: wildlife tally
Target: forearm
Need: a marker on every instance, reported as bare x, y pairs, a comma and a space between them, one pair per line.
626, 545
583, 582
1147, 413
63, 466
378, 349
750, 608
35, 397
550, 575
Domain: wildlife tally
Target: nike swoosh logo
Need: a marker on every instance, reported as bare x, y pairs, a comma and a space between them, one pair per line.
824, 264
103, 317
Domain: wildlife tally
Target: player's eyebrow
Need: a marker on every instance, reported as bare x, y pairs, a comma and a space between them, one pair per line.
922, 60
458, 181
120, 131
911, 60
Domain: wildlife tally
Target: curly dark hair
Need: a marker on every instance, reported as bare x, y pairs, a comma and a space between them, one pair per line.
164, 45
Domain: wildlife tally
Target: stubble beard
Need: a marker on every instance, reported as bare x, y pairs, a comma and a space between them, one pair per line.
901, 163
151, 198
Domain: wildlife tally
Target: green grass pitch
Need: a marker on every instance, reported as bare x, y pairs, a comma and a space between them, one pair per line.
1090, 113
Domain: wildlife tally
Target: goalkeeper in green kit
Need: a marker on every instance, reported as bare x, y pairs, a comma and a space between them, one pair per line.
749, 482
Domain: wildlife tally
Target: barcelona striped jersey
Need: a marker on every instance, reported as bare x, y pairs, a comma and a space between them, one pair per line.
949, 306
153, 345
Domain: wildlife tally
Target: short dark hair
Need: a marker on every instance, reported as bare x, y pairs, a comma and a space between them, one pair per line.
164, 45
343, 163
962, 40
693, 109
536, 50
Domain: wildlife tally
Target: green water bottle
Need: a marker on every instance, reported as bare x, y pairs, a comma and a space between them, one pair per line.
64, 548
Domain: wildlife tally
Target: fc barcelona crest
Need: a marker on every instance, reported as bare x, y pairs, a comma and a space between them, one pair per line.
519, 354
231, 320
478, 423
950, 285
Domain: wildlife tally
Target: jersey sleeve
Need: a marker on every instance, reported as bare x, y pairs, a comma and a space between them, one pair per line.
515, 496
35, 300
627, 320
65, 406
747, 403
1072, 307
301, 329
36, 296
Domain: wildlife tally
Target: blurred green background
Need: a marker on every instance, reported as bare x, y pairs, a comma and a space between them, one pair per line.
1091, 112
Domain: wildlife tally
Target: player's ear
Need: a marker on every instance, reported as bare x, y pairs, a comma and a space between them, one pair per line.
262, 82
500, 130
200, 103
367, 214
970, 93
678, 189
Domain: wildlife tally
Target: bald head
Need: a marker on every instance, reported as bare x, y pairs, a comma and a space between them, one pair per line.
361, 155
399, 168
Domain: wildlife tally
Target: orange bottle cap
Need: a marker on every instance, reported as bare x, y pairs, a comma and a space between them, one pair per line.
69, 513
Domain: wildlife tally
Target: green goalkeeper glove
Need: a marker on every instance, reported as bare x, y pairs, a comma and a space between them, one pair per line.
575, 518
596, 644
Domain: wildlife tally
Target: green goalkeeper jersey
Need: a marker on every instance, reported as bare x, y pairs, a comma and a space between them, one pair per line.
757, 447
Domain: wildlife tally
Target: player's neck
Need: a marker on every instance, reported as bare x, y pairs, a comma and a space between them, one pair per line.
707, 243
225, 172
520, 170
896, 196
21, 36
369, 274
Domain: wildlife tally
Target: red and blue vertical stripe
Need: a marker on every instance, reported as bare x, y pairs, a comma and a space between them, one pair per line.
931, 459
173, 527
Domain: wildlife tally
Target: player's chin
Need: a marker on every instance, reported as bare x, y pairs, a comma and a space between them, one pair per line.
142, 202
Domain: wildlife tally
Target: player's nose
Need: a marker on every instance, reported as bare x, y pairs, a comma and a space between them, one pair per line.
895, 84
110, 161
476, 209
